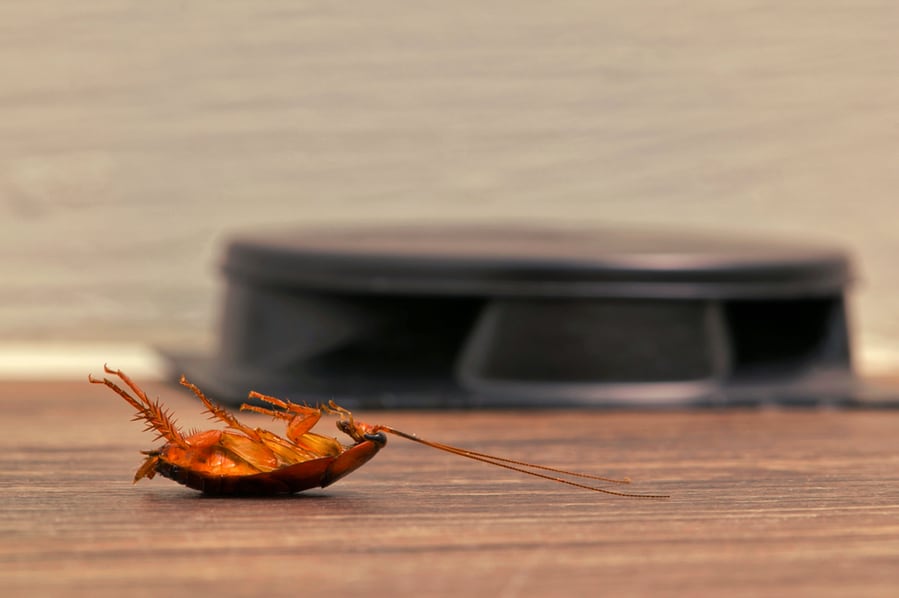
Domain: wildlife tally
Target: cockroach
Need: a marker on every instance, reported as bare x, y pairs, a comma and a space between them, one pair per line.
244, 461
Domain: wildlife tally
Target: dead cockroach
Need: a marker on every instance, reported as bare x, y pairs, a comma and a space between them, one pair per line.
241, 460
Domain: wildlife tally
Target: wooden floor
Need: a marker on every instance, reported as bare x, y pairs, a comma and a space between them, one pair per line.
763, 503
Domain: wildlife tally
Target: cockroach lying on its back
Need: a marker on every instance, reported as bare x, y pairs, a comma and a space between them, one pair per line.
240, 460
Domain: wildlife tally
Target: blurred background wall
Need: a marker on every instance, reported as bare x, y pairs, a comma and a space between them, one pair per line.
134, 136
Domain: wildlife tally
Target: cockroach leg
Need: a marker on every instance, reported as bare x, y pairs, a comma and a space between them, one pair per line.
152, 412
301, 418
217, 412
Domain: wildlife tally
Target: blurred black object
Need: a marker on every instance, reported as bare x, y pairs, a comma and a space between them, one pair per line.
421, 316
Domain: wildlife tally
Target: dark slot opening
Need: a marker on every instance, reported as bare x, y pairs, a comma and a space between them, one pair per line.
776, 339
417, 339
598, 341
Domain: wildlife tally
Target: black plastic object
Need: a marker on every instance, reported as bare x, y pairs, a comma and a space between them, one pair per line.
466, 316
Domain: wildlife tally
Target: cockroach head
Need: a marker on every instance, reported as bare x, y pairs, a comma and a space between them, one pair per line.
348, 427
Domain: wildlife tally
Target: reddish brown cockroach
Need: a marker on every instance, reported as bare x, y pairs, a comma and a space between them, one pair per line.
241, 461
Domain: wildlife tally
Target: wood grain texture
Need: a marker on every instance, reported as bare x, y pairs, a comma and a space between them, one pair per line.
135, 136
799, 503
